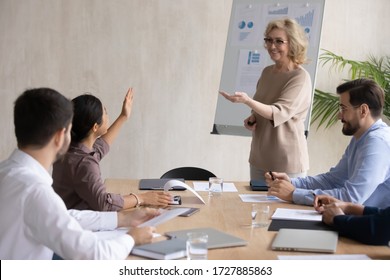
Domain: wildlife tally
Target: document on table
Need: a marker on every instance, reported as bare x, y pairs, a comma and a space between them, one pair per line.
204, 187
296, 214
325, 257
165, 215
253, 198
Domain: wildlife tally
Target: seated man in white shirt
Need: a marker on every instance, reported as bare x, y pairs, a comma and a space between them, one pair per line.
34, 219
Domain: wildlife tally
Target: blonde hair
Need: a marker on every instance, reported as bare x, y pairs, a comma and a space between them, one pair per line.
296, 37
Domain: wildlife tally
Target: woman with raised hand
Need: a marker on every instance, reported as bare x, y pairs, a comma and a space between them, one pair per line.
77, 176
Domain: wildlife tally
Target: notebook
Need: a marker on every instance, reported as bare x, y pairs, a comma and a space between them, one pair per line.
157, 184
163, 250
216, 238
306, 240
313, 225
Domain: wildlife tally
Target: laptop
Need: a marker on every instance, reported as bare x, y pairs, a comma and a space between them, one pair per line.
216, 238
305, 240
158, 184
258, 185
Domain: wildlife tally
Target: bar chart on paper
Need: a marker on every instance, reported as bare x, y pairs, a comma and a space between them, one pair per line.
307, 19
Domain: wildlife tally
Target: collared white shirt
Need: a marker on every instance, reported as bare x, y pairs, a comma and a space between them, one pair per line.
35, 222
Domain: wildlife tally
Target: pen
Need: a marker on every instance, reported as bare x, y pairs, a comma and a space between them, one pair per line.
272, 175
319, 202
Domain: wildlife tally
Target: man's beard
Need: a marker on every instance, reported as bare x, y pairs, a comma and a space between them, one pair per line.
349, 129
61, 153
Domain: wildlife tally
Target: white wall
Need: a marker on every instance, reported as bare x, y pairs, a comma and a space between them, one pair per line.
171, 52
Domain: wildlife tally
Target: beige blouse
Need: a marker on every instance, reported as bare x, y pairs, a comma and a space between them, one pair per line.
280, 145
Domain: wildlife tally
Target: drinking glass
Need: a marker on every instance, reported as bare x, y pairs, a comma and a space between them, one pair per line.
260, 215
197, 246
215, 185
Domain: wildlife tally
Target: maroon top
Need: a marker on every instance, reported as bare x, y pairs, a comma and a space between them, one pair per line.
77, 179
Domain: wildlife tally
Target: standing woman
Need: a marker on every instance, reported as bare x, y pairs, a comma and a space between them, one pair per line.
77, 177
280, 104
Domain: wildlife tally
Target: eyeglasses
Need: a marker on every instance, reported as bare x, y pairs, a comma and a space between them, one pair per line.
343, 108
278, 42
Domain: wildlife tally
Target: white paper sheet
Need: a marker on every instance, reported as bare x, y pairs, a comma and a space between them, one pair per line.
171, 183
261, 198
325, 257
296, 214
165, 215
204, 187
248, 23
250, 64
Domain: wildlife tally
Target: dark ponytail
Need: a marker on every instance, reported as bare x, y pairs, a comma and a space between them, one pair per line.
88, 110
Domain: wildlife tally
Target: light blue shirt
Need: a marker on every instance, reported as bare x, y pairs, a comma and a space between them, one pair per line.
361, 176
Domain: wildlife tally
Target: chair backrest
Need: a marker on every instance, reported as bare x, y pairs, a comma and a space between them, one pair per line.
188, 173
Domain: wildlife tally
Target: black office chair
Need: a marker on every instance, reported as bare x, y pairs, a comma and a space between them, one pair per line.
188, 173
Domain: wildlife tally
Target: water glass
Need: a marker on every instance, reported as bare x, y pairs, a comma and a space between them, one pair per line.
260, 215
197, 246
215, 185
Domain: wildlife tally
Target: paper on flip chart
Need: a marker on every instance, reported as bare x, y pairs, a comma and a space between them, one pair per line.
296, 214
172, 183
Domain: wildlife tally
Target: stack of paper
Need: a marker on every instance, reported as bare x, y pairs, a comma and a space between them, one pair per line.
296, 215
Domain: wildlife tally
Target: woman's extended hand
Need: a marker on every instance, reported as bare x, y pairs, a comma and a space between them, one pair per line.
237, 97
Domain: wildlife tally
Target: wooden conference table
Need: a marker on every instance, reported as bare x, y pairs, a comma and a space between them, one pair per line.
227, 212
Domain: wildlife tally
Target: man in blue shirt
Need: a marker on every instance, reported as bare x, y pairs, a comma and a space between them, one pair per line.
363, 173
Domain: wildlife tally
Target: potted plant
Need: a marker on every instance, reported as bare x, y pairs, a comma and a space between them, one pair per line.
326, 105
